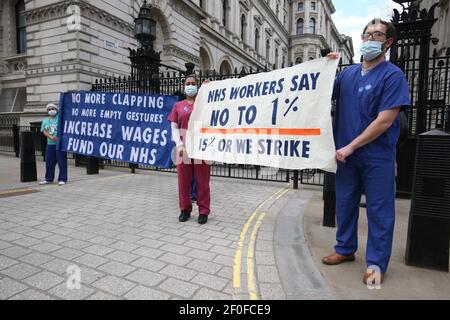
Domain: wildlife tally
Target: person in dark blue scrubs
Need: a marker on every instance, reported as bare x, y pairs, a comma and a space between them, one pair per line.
369, 97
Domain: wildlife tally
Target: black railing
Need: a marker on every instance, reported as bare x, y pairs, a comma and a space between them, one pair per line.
9, 119
10, 139
6, 139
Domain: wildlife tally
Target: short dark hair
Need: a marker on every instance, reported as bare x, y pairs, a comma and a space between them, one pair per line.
391, 31
193, 76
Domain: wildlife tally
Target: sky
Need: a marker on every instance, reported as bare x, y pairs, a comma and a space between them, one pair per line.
352, 16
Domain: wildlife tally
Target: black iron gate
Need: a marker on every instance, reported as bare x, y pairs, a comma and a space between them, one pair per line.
429, 81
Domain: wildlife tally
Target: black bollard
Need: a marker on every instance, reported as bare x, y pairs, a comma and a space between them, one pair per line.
28, 171
428, 242
329, 200
133, 167
79, 160
92, 165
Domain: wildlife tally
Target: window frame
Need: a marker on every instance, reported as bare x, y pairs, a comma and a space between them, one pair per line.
312, 26
21, 25
302, 29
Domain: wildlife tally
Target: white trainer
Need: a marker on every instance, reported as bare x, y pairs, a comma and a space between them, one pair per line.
61, 183
45, 182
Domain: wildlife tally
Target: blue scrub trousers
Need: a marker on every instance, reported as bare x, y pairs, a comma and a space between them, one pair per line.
53, 156
377, 178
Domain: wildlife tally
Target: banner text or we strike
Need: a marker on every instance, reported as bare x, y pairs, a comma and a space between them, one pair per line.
117, 126
278, 119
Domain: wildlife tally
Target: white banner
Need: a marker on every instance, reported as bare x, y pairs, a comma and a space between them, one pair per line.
279, 119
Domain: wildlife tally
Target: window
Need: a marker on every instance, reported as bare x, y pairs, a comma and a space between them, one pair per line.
298, 60
313, 6
225, 68
278, 10
267, 49
257, 40
21, 37
13, 100
243, 27
276, 58
224, 12
312, 26
300, 6
203, 4
299, 26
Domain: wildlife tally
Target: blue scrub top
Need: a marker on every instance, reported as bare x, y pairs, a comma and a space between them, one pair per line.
359, 100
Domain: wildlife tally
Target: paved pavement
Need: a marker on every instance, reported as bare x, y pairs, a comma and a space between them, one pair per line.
121, 230
401, 281
120, 234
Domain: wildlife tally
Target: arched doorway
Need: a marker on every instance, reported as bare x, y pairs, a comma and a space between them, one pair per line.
225, 68
205, 61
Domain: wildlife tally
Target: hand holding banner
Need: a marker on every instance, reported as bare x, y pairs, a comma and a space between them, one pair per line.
278, 119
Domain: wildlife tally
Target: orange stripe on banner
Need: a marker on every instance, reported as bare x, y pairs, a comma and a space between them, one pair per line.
264, 131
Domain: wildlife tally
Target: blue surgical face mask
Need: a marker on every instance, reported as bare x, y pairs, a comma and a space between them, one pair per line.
372, 49
191, 91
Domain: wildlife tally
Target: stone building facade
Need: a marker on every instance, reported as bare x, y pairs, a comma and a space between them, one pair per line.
50, 46
441, 29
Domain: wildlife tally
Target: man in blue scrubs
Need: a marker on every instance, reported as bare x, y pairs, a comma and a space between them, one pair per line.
369, 97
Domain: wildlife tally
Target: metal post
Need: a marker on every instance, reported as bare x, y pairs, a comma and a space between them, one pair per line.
295, 179
329, 200
28, 171
133, 167
92, 165
16, 140
77, 158
422, 95
43, 145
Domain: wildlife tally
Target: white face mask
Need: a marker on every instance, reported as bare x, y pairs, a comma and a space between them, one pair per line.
52, 113
191, 91
372, 49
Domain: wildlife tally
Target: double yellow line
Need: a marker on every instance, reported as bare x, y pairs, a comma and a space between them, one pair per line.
237, 266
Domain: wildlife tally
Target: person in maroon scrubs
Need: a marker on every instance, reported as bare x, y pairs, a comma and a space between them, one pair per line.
188, 168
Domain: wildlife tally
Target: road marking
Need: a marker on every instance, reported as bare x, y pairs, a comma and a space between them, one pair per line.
237, 266
282, 194
250, 259
253, 294
240, 245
